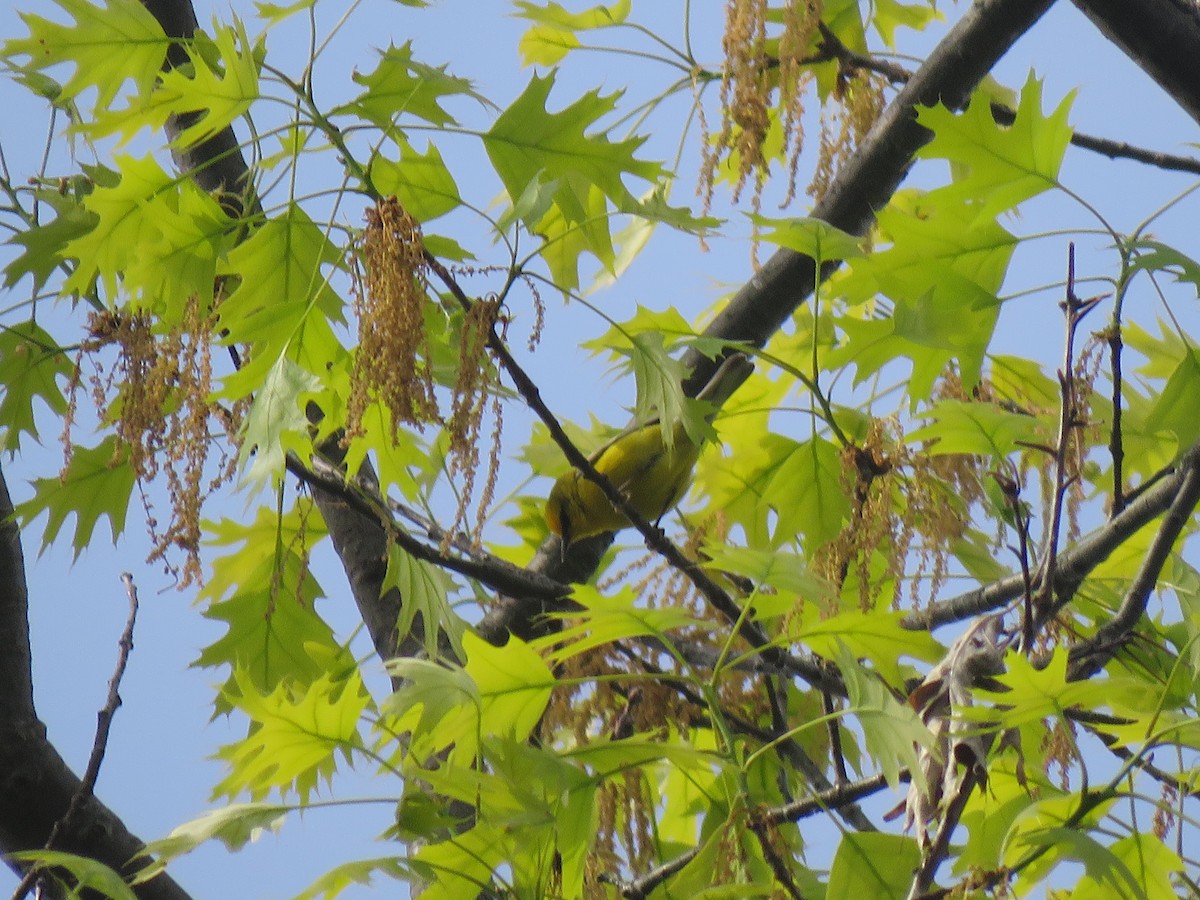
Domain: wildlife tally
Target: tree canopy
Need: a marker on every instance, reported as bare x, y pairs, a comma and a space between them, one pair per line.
923, 625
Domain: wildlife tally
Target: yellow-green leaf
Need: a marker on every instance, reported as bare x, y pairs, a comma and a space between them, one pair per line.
296, 732
106, 45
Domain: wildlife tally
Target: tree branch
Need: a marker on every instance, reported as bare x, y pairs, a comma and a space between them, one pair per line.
1161, 36
1089, 656
37, 787
1074, 563
865, 184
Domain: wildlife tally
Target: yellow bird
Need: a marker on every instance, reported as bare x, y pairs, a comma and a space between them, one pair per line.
639, 465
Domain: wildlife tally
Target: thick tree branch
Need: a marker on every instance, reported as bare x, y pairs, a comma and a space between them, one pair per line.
865, 184
1074, 564
1161, 36
1089, 656
37, 787
1006, 115
218, 166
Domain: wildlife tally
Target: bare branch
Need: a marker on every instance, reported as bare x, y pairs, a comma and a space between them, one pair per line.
1006, 115
36, 786
1074, 563
1161, 36
1089, 656
100, 744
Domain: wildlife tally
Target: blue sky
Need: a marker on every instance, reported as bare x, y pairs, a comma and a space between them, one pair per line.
158, 772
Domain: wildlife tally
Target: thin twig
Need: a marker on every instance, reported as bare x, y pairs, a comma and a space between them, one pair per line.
1089, 656
834, 798
835, 738
489, 570
940, 847
1068, 423
833, 49
1075, 563
1116, 446
87, 784
760, 829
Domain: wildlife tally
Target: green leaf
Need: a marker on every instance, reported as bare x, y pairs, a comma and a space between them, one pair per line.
1175, 408
1142, 861
1104, 869
1162, 258
182, 263
403, 86
425, 590
1023, 383
605, 619
942, 272
892, 14
283, 303
892, 730
873, 866
778, 569
527, 144
88, 875
421, 182
106, 45
45, 244
804, 491
31, 363
464, 865
977, 553
514, 686
296, 732
1003, 166
990, 814
981, 429
555, 14
554, 33
812, 237
263, 591
582, 226
276, 422
438, 705
359, 872
222, 89
1035, 693
234, 826
96, 482
550, 820
128, 216
877, 636
659, 377
501, 692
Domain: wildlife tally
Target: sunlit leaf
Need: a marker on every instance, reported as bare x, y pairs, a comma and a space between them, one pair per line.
234, 826
553, 33
1003, 166
31, 365
404, 86
97, 482
982, 429
295, 733
812, 237
873, 865
87, 874
105, 45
